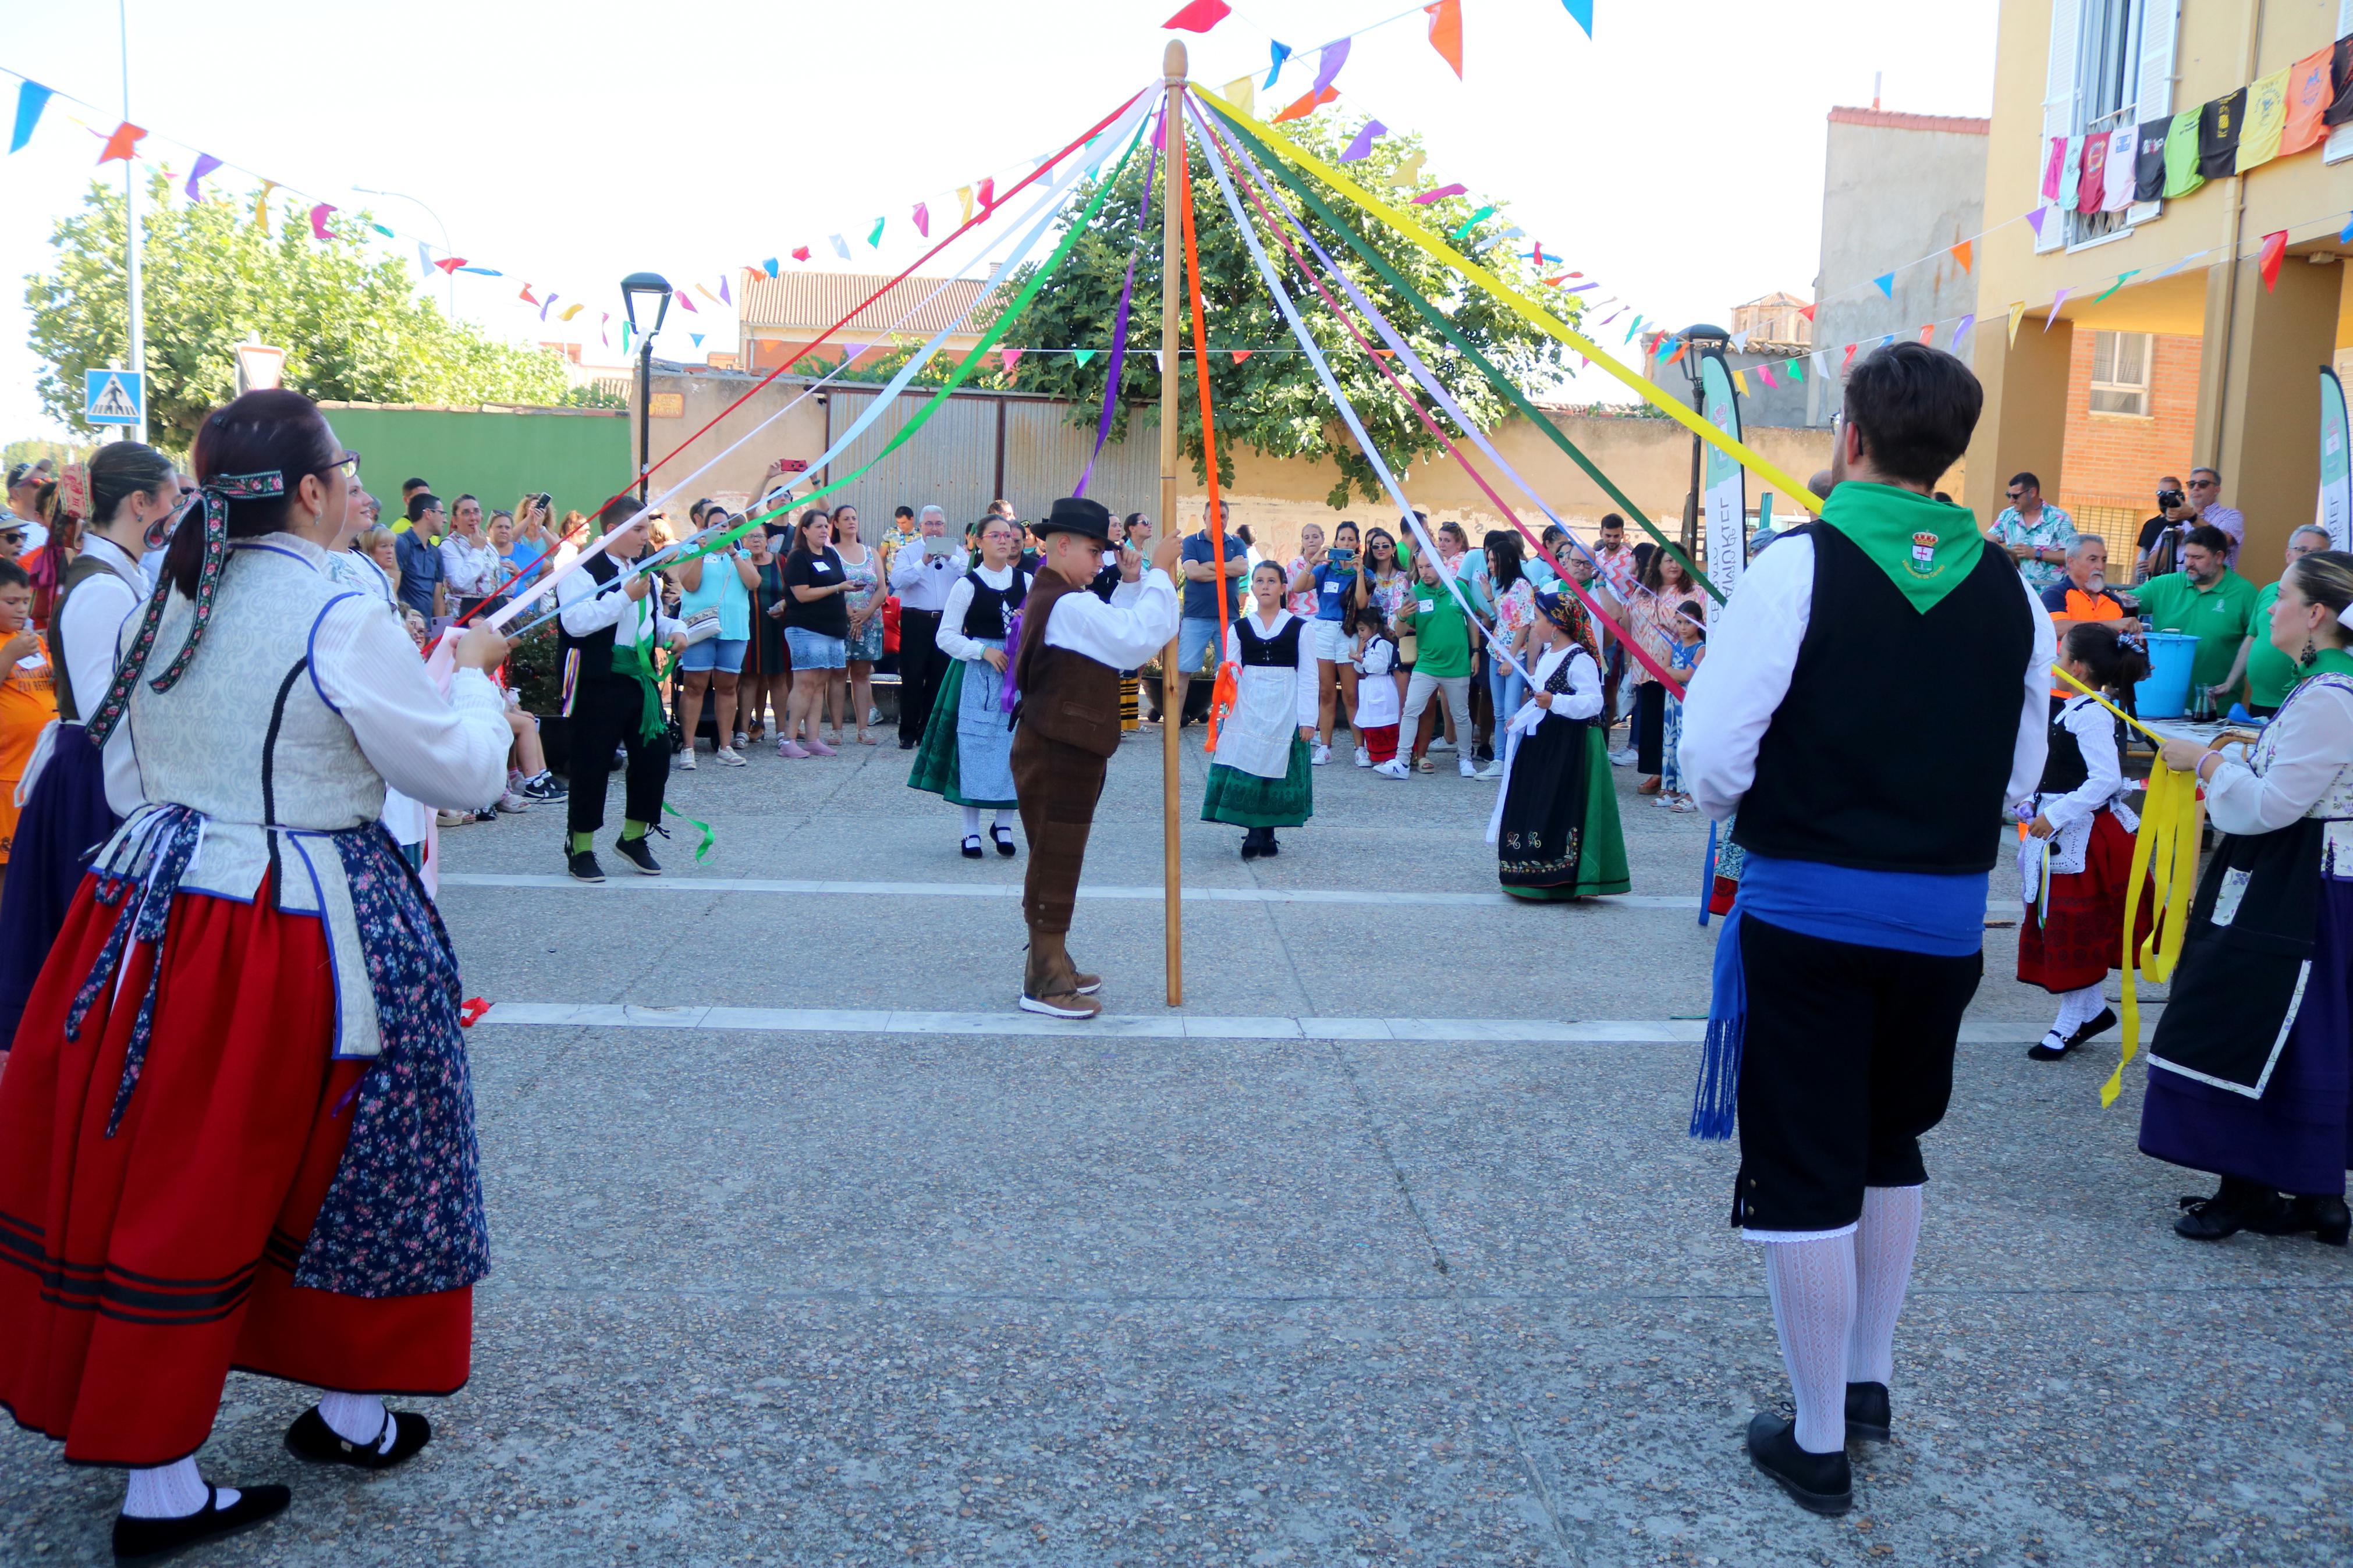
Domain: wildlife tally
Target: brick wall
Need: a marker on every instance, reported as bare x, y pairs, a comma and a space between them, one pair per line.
2114, 460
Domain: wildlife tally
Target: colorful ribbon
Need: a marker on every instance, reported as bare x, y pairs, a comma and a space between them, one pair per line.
1119, 328
2165, 855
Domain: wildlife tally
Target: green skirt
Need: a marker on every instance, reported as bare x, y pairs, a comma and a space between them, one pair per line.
1561, 780
937, 768
1246, 800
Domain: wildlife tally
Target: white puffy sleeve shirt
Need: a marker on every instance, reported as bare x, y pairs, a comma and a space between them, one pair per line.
448, 751
2094, 729
1305, 684
1752, 642
91, 629
2312, 753
1124, 633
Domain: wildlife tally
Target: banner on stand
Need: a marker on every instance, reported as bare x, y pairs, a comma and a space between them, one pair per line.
2334, 513
1725, 497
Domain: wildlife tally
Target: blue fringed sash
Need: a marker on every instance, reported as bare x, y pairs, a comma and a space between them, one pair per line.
1717, 1098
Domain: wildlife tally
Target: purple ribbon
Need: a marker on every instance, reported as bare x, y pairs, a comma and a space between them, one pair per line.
1118, 337
1008, 697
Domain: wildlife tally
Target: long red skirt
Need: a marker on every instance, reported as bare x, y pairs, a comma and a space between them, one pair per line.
136, 1270
2083, 937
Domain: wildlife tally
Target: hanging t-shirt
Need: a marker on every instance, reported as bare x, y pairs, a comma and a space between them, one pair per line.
2340, 82
2307, 98
2071, 174
2220, 121
2149, 160
2259, 136
2122, 147
2093, 187
2182, 175
2053, 168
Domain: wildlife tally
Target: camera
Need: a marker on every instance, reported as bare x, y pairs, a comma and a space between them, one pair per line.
2169, 498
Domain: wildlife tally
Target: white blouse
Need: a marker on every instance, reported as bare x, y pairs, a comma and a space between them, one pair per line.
1305, 684
1581, 700
2094, 729
1124, 633
952, 640
90, 627
2310, 747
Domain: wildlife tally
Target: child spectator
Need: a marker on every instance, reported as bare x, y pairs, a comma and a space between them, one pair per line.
1375, 720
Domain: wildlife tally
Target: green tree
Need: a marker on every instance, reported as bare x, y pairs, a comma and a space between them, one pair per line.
1271, 401
352, 324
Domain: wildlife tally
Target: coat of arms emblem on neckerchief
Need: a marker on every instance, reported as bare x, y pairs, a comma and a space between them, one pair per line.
1923, 554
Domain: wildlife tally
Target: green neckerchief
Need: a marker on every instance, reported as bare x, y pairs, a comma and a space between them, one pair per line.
629, 659
1926, 546
2326, 661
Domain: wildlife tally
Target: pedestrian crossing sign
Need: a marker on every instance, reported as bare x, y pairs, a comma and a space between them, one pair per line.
113, 397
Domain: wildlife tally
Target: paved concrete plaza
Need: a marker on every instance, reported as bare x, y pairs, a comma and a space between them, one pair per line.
1389, 1249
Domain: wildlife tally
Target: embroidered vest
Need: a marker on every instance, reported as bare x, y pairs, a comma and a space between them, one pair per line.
84, 568
984, 619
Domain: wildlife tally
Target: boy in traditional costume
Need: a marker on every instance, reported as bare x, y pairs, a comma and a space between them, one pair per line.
1870, 816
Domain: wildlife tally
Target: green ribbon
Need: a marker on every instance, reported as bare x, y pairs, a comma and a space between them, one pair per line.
709, 837
1389, 274
629, 660
971, 359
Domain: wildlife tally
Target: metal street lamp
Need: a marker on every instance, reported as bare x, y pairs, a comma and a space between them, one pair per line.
654, 288
1695, 339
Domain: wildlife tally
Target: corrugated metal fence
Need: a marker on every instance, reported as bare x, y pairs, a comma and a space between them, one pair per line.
980, 446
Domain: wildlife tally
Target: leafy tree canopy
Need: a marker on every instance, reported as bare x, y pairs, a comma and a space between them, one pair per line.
353, 326
1271, 401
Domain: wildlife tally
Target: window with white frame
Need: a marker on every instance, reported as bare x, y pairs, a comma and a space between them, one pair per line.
2110, 68
2120, 372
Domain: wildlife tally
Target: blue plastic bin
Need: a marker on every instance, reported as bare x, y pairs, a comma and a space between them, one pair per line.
2166, 693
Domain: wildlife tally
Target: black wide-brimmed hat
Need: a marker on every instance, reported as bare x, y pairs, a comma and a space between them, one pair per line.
1076, 514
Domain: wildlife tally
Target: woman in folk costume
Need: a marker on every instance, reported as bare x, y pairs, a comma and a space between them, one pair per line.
1556, 823
1258, 779
74, 799
967, 755
2250, 1072
238, 1128
2075, 859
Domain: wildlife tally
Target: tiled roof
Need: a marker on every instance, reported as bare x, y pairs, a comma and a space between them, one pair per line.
1964, 124
811, 301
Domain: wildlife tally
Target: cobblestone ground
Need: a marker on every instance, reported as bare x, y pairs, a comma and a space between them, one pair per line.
835, 1284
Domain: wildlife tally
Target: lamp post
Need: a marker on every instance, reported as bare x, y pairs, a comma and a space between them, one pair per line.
404, 197
1695, 337
655, 289
134, 303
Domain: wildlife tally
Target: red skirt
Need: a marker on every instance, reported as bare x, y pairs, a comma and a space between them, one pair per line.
137, 1270
2083, 937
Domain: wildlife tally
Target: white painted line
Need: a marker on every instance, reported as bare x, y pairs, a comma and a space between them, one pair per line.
1147, 1025
711, 885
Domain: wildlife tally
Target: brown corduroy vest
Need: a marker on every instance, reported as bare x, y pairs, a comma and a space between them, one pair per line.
1065, 696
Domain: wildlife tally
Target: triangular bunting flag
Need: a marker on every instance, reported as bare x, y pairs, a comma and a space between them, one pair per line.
1408, 172
1847, 362
2056, 300
1241, 354
1011, 358
1739, 343
850, 352
31, 99
964, 199
569, 312
1473, 221
2035, 221
1928, 333
450, 263
1797, 368
2268, 259
1961, 333
923, 220
724, 298
527, 297
1885, 284
2122, 278
987, 193
424, 260
1581, 12
686, 301
1082, 355
1684, 347
799, 253
261, 209
1763, 371
123, 143
769, 266
1446, 33
2344, 236
1807, 312
1198, 17
1740, 381
1960, 253
696, 337
1363, 144
550, 300
206, 164
1276, 52
319, 222
2017, 313
1440, 195
1327, 65
605, 327
874, 236
1242, 93
1302, 108
840, 245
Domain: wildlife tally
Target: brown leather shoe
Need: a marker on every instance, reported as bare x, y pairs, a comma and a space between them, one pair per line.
1051, 984
1062, 1005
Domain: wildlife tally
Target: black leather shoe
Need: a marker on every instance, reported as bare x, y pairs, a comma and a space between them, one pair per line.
2099, 1025
1004, 837
1267, 845
312, 1438
1866, 1412
1249, 845
2237, 1206
2050, 1048
1820, 1483
583, 867
144, 1540
2327, 1218
905, 745
972, 850
639, 854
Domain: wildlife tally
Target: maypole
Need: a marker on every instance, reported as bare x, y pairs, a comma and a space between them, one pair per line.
1172, 138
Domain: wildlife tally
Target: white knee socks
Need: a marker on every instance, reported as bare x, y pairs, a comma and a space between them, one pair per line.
2077, 1008
1884, 1245
170, 1491
1004, 817
357, 1418
1811, 1284
972, 822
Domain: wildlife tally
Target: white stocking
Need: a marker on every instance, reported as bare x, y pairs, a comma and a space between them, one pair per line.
357, 1418
1884, 1245
972, 822
2077, 1008
170, 1491
1813, 1287
1004, 817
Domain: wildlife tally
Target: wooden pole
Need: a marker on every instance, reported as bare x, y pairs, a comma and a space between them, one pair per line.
1172, 75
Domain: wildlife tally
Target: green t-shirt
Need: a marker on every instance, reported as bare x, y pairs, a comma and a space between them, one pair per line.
2270, 674
2182, 175
1444, 647
2217, 616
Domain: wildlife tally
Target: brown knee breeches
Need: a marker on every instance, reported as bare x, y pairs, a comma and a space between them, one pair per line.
1057, 785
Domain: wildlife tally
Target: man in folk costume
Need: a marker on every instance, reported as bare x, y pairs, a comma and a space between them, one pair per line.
608, 640
1071, 647
1868, 752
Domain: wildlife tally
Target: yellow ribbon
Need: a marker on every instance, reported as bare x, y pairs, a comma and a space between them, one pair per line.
1430, 244
2164, 853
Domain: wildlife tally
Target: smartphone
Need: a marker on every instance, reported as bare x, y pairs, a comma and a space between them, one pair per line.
1341, 557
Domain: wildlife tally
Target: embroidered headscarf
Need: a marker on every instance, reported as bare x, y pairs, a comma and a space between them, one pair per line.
1567, 612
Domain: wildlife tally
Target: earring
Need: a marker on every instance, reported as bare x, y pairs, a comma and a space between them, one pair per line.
2310, 656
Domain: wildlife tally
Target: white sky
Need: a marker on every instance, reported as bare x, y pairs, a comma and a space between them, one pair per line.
1677, 158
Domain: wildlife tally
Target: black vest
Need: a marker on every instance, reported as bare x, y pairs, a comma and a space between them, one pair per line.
2065, 769
596, 649
984, 620
84, 568
1282, 648
1892, 750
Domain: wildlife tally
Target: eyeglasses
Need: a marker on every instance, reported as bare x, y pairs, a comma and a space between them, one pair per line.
2017, 495
2202, 484
349, 460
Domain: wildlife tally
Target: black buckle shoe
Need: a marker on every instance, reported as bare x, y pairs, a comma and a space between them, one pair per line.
2327, 1218
1004, 837
1820, 1483
583, 867
2101, 1025
141, 1540
972, 849
1867, 1414
2050, 1047
312, 1438
639, 854
2231, 1210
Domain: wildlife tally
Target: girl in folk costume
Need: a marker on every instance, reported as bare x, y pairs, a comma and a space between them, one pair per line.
28, 702
2250, 1072
238, 1128
1555, 827
1259, 778
74, 798
967, 755
2075, 859
1375, 716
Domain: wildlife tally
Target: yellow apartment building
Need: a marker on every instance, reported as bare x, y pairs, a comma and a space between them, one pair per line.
2116, 300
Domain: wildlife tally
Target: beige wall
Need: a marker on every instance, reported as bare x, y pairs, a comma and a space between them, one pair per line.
737, 478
